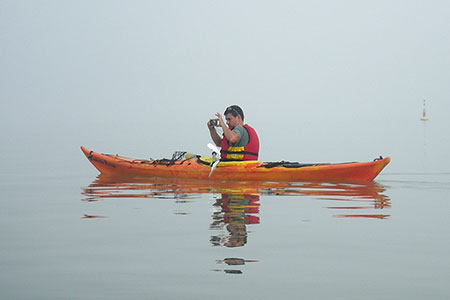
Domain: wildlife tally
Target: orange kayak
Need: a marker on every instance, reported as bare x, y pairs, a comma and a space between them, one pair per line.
194, 166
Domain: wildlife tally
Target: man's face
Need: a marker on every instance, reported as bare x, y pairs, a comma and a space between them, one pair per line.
232, 121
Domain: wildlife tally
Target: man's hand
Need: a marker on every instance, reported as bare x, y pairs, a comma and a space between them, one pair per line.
211, 123
221, 122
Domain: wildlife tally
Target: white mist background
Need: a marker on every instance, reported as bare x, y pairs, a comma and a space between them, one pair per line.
320, 81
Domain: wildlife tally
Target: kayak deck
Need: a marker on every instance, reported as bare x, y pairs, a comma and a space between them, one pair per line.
200, 168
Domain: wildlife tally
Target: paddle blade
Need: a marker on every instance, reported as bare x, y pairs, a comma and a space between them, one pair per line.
213, 167
214, 148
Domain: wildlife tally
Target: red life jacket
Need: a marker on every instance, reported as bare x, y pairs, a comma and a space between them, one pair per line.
248, 152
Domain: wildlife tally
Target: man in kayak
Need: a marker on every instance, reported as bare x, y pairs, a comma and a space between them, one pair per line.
239, 141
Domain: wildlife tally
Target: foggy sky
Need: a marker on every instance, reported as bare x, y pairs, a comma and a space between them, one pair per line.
303, 71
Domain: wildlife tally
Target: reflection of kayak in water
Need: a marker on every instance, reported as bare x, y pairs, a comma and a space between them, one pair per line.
345, 198
106, 186
200, 168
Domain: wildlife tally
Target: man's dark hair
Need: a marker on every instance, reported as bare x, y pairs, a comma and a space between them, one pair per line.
235, 111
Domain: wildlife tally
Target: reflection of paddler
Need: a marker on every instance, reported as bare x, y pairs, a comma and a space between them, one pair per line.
237, 208
236, 212
238, 235
235, 261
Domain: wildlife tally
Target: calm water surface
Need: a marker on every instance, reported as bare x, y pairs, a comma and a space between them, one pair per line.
67, 233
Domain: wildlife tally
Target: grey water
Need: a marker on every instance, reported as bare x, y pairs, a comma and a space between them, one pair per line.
68, 233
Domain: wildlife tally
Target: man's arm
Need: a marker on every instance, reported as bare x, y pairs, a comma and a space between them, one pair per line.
214, 135
230, 135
